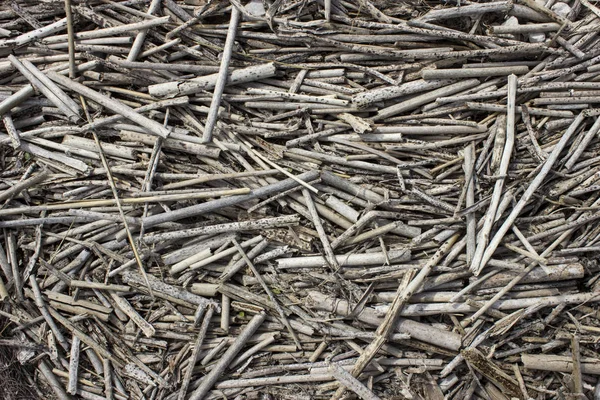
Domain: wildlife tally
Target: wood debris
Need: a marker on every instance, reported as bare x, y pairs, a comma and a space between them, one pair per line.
301, 199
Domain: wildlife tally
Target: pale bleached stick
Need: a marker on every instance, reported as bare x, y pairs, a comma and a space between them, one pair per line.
83, 303
38, 33
276, 222
233, 269
54, 383
73, 366
273, 380
432, 200
283, 171
213, 112
39, 302
195, 352
532, 111
188, 23
213, 376
196, 85
300, 98
377, 232
342, 208
111, 104
405, 230
529, 28
3, 292
16, 98
473, 284
403, 296
97, 123
366, 98
417, 330
350, 260
482, 239
548, 362
298, 81
99, 286
533, 186
383, 333
163, 290
27, 91
182, 265
469, 162
461, 73
253, 350
112, 202
138, 43
213, 177
174, 142
329, 254
109, 149
225, 253
225, 311
587, 138
526, 253
108, 386
428, 97
70, 39
112, 31
62, 96
350, 382
9, 125
101, 350
46, 91
466, 11
209, 206
577, 380
160, 48
542, 9
124, 306
424, 309
489, 303
272, 297
20, 186
537, 150
526, 243
214, 351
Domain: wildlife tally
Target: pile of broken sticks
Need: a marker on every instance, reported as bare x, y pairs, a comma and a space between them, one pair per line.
301, 199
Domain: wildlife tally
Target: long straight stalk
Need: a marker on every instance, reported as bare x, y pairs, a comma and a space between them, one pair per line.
213, 112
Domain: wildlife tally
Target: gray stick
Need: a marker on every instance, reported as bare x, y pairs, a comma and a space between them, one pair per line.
213, 112
209, 380
113, 105
209, 206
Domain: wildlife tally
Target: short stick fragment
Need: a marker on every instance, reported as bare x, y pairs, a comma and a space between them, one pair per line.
351, 382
